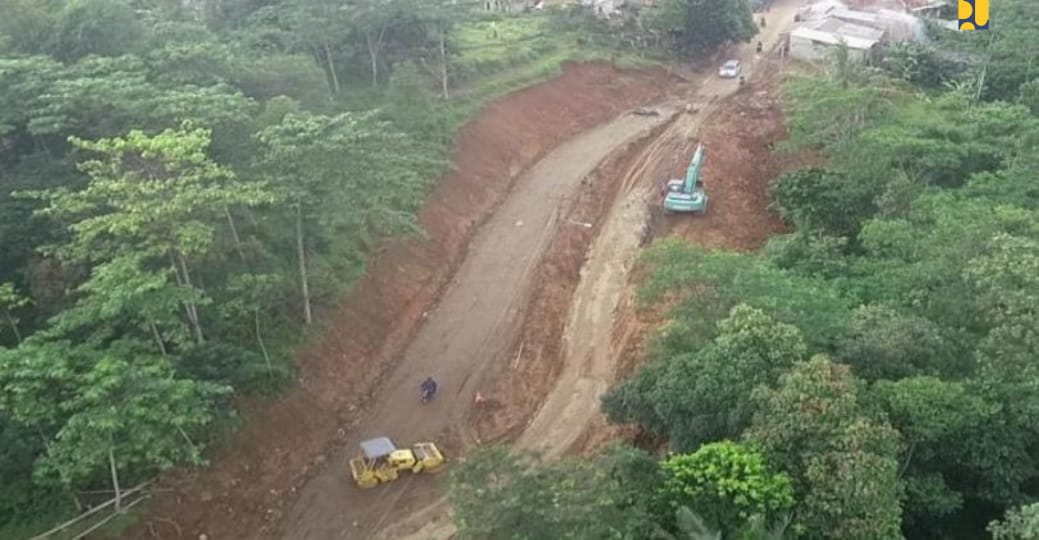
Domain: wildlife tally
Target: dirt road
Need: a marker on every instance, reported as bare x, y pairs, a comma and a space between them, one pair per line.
256, 475
468, 333
590, 357
600, 319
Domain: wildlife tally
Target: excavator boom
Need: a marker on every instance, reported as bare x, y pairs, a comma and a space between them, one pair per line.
693, 173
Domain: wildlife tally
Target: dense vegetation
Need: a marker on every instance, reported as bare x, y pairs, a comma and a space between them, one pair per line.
183, 184
872, 375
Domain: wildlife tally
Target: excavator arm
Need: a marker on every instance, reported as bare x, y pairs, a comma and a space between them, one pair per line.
692, 175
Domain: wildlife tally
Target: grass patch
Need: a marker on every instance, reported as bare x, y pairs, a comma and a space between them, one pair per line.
500, 55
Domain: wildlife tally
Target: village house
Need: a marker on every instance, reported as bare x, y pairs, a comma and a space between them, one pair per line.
826, 24
815, 41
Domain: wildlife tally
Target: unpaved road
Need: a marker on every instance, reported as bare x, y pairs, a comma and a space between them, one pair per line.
591, 353
590, 350
473, 325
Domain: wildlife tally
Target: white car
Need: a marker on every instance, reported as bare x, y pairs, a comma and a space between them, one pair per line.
730, 69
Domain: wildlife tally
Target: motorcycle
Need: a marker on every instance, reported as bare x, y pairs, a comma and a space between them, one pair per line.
428, 390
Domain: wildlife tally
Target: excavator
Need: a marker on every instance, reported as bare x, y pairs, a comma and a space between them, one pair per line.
687, 195
380, 461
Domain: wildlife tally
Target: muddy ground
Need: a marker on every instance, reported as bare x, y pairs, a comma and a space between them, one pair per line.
738, 128
283, 441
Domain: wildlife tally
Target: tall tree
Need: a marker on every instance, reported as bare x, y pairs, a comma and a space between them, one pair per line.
703, 25
10, 302
938, 421
158, 196
842, 463
101, 27
1020, 523
702, 396
349, 207
727, 484
103, 411
375, 20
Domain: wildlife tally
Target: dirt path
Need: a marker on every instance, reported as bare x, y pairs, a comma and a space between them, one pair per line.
589, 347
473, 326
256, 475
591, 354
601, 319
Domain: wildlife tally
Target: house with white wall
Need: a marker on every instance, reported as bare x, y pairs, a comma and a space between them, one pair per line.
816, 41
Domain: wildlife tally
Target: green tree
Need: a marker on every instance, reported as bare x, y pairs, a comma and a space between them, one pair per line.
920, 65
937, 421
708, 284
102, 411
350, 208
690, 526
187, 53
808, 253
28, 25
437, 19
704, 395
127, 295
885, 344
702, 25
498, 495
250, 295
728, 484
842, 463
825, 114
1019, 524
817, 199
155, 196
1029, 96
101, 27
10, 302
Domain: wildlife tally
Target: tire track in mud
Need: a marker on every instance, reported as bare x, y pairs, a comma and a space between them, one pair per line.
469, 332
601, 305
616, 175
589, 355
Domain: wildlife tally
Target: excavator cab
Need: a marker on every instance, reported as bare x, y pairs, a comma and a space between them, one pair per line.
381, 461
688, 195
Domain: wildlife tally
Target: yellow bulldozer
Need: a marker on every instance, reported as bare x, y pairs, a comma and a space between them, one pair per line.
380, 461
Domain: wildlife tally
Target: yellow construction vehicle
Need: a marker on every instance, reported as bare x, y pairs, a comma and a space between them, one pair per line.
380, 461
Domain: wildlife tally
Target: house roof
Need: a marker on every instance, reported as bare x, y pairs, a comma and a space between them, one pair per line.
852, 15
846, 29
835, 37
819, 9
897, 15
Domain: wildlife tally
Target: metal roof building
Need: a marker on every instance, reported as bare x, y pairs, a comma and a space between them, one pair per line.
816, 40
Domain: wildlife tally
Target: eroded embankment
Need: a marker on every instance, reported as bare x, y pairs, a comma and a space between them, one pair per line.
539, 354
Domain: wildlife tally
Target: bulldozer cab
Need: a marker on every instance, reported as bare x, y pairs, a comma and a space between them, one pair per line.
381, 452
381, 461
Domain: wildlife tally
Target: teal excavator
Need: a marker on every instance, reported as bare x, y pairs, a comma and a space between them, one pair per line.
687, 195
